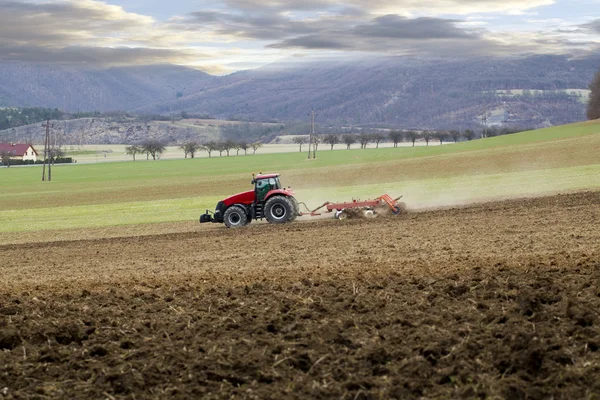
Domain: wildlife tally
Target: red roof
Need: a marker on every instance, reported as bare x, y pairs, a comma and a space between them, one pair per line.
18, 150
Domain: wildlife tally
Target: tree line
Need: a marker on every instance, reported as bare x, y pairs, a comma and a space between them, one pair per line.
15, 117
156, 148
365, 139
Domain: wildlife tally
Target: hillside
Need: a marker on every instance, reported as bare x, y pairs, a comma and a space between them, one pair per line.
84, 88
110, 131
129, 130
536, 91
405, 93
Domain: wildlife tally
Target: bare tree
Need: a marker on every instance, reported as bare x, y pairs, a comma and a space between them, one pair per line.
55, 153
455, 135
133, 150
469, 134
237, 148
331, 139
427, 137
255, 146
348, 140
185, 150
244, 146
6, 157
439, 135
300, 140
209, 147
152, 147
377, 138
190, 148
364, 139
193, 148
229, 145
56, 143
412, 136
396, 137
220, 147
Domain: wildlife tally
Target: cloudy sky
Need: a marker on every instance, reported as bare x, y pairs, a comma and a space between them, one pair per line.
222, 36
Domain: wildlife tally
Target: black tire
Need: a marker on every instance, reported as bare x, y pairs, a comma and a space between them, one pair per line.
279, 210
296, 208
235, 217
342, 215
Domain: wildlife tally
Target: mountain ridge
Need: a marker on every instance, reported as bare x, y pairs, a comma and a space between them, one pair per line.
391, 91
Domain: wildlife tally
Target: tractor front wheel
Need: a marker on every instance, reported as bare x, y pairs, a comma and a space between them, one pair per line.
235, 217
279, 210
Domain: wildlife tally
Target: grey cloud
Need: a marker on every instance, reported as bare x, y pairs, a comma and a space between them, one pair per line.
389, 33
429, 48
70, 31
262, 26
316, 42
61, 22
593, 26
394, 26
393, 34
275, 26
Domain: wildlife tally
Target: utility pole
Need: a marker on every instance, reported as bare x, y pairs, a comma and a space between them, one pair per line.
312, 135
47, 125
484, 122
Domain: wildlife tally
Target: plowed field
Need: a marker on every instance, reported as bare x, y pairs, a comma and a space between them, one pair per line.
498, 300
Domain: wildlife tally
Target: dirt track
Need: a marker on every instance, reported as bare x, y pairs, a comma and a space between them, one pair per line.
499, 300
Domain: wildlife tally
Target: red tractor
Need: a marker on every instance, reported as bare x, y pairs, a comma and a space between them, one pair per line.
269, 200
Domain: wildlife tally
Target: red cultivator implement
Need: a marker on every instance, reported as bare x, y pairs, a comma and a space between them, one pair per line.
360, 208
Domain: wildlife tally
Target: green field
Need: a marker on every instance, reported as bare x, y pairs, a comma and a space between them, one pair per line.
144, 192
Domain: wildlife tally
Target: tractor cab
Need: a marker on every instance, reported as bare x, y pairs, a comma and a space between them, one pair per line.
264, 184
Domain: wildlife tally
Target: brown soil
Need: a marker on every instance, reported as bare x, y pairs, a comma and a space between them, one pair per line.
498, 300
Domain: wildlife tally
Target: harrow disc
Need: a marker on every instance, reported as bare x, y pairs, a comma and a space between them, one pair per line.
368, 214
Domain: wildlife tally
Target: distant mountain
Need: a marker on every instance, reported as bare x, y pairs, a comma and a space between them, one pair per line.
404, 93
384, 92
80, 88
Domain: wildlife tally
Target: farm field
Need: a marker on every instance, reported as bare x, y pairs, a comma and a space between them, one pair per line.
101, 153
96, 196
496, 300
487, 288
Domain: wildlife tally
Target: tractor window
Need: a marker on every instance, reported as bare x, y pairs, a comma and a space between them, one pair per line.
275, 184
261, 183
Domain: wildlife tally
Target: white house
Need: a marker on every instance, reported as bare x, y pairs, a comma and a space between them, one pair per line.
24, 152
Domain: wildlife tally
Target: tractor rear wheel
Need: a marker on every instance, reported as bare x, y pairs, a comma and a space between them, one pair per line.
296, 208
279, 210
235, 217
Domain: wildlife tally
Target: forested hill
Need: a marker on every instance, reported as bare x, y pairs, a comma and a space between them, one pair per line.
88, 88
406, 93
